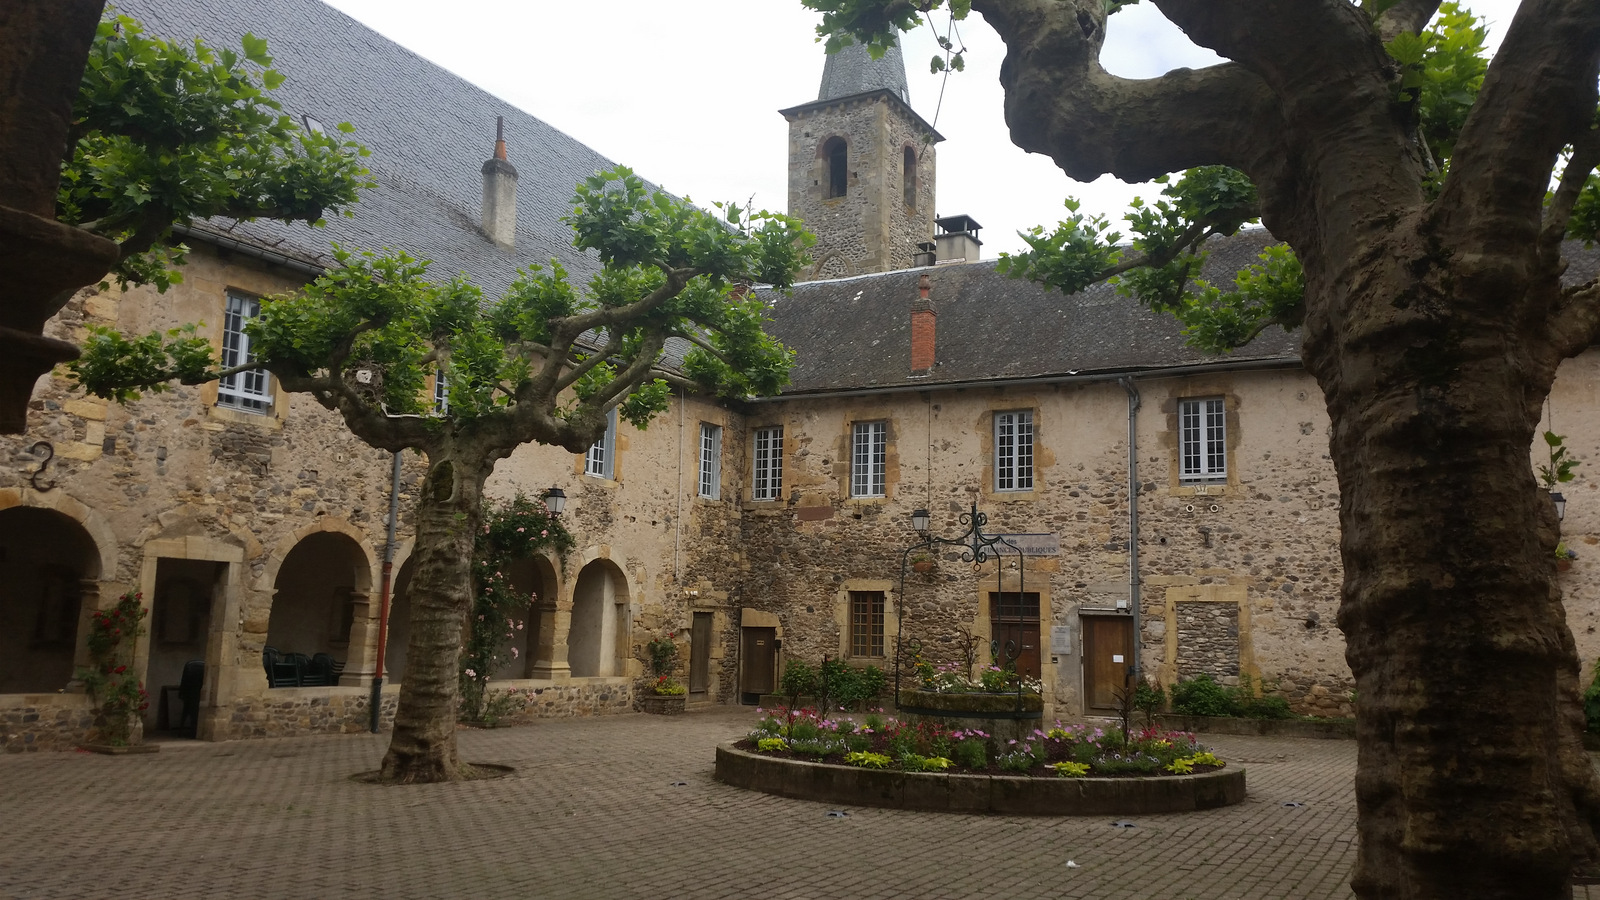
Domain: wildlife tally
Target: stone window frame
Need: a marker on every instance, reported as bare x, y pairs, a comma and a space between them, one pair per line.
234, 391
836, 180
441, 392
766, 463
841, 617
708, 482
1199, 418
1211, 388
1013, 470
869, 470
211, 398
600, 460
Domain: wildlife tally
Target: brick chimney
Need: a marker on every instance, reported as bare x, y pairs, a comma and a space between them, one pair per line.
500, 193
922, 322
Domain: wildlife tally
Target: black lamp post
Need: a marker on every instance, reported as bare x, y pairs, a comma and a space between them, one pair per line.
555, 500
1560, 504
976, 548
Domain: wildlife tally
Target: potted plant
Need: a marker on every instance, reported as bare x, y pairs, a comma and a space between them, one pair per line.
1564, 557
119, 725
924, 563
665, 695
1558, 472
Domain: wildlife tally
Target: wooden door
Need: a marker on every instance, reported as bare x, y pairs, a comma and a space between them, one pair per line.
1107, 658
700, 653
1014, 620
758, 661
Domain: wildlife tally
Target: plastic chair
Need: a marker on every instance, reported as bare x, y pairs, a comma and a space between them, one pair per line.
194, 676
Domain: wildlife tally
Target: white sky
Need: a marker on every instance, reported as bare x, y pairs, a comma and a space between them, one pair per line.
686, 92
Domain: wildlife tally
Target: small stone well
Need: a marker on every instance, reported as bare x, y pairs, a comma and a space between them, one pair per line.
1004, 717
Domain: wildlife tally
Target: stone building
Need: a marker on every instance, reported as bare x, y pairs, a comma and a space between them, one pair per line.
778, 529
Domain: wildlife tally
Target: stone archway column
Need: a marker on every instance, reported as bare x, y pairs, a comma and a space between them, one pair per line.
232, 669
550, 659
92, 597
361, 660
609, 661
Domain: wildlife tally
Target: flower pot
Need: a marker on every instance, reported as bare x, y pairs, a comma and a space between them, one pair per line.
661, 704
924, 566
1563, 565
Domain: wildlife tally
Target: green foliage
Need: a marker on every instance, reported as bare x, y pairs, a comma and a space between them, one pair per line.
1441, 71
1069, 769
1149, 697
1559, 471
663, 653
867, 760
113, 634
1591, 702
166, 133
667, 686
1201, 696
771, 744
799, 679
514, 529
972, 753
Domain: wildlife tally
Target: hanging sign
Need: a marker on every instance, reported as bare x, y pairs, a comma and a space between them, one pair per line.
1029, 544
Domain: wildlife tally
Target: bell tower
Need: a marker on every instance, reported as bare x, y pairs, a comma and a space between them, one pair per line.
861, 167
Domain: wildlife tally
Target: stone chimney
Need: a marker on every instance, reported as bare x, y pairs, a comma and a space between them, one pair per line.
922, 328
500, 193
957, 237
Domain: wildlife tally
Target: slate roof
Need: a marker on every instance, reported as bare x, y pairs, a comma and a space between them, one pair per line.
429, 132
853, 71
854, 333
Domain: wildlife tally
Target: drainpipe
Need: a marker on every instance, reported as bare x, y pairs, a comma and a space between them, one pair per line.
383, 594
1133, 524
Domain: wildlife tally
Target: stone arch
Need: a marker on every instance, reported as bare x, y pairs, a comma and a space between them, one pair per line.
537, 576
49, 568
598, 636
320, 592
908, 176
280, 552
95, 524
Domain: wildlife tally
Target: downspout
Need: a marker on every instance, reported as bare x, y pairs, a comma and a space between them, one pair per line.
677, 521
1137, 670
383, 594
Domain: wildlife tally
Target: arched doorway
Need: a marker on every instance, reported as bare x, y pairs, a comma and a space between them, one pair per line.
399, 634
534, 578
48, 567
315, 596
599, 620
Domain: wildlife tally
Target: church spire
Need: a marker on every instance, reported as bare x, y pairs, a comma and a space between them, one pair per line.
853, 71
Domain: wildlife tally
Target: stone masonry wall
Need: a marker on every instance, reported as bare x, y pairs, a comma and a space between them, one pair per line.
1208, 641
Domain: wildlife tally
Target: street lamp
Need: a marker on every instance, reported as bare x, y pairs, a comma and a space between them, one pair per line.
555, 500
919, 520
1560, 504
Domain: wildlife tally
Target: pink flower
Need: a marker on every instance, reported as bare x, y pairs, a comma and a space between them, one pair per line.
521, 530
471, 674
544, 533
513, 653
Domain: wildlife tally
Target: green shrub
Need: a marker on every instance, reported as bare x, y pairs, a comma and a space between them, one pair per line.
804, 731
1200, 696
1269, 707
1591, 702
971, 753
1149, 698
873, 683
799, 679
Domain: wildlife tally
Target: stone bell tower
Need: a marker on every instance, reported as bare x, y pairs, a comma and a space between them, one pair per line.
861, 167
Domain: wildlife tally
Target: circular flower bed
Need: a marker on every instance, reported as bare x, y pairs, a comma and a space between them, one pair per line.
1065, 770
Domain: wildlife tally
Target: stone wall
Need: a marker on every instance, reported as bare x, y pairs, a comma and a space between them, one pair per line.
532, 700
1208, 641
292, 712
29, 723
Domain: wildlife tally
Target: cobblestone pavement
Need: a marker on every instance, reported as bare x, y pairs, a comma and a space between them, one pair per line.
592, 812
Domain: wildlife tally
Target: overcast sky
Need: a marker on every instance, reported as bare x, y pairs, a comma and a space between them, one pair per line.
687, 91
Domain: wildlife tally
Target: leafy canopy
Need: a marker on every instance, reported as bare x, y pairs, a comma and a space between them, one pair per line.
366, 336
165, 133
1440, 72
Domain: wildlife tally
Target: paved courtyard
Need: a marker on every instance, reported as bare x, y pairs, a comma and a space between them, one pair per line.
593, 811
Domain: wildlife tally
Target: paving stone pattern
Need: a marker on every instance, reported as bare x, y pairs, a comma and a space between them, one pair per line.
591, 812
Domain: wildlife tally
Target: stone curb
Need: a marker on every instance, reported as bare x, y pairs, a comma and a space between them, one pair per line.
1007, 795
1333, 729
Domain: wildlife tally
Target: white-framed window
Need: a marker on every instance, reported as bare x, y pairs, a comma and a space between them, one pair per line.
1202, 440
767, 483
250, 391
1013, 450
441, 392
869, 459
710, 461
601, 459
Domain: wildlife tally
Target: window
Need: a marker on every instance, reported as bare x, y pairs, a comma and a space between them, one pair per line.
710, 461
601, 456
1202, 440
837, 153
441, 393
250, 390
866, 623
908, 178
768, 464
868, 459
1013, 451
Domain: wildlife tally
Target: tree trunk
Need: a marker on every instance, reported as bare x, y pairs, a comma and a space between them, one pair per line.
449, 514
1472, 779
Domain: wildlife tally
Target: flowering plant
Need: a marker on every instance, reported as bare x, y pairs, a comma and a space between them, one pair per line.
667, 686
122, 697
1064, 751
515, 529
663, 653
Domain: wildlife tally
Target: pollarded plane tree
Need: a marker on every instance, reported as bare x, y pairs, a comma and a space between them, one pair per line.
1426, 276
544, 363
